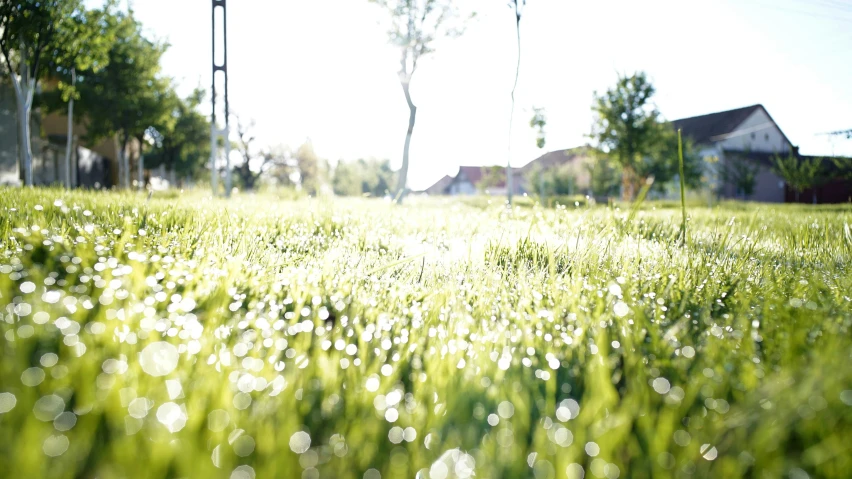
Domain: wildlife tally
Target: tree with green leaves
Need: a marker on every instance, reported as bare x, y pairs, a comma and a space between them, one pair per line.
415, 25
844, 167
629, 129
800, 173
346, 179
492, 176
604, 176
86, 39
370, 177
742, 174
537, 123
181, 139
130, 95
661, 160
556, 180
255, 162
312, 168
33, 35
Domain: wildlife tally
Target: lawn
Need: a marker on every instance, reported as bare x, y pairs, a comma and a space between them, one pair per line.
261, 337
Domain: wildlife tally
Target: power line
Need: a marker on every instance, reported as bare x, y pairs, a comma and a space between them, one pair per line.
831, 4
846, 133
840, 19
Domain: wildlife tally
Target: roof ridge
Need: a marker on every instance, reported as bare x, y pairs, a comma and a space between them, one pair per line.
706, 128
732, 110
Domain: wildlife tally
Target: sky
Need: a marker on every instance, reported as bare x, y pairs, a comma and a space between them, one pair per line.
323, 70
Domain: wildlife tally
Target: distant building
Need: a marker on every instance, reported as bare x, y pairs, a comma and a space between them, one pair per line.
469, 179
749, 134
725, 138
90, 167
440, 186
576, 159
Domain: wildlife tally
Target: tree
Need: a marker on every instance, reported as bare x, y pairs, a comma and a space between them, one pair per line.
518, 7
742, 174
87, 39
181, 139
537, 123
604, 177
492, 176
661, 160
844, 167
556, 180
415, 25
255, 162
31, 34
280, 165
628, 128
311, 168
799, 173
363, 177
129, 96
346, 179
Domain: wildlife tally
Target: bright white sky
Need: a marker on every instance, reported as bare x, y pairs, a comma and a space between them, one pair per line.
322, 69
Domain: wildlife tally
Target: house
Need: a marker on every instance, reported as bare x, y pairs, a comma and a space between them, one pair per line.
575, 159
440, 186
743, 139
469, 181
749, 136
91, 168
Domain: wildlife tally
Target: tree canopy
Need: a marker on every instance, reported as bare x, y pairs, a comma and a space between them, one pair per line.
799, 173
182, 138
538, 122
36, 34
629, 128
370, 177
130, 95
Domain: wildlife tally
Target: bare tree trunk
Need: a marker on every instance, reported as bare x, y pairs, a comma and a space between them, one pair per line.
140, 173
127, 170
56, 175
119, 160
123, 163
24, 89
628, 184
403, 171
512, 111
70, 135
26, 147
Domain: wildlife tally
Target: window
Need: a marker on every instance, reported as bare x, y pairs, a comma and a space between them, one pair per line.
766, 136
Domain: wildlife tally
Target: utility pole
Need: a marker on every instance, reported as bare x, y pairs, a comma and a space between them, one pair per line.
215, 132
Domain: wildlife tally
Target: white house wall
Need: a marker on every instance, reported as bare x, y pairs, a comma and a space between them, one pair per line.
463, 187
768, 187
758, 133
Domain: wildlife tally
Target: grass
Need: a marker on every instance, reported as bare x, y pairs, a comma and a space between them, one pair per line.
190, 337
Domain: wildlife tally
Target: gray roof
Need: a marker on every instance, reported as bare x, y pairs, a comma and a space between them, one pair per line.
708, 128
